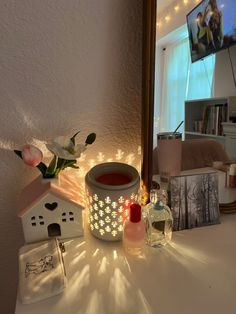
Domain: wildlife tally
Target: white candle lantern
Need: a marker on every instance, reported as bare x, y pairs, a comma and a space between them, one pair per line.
111, 189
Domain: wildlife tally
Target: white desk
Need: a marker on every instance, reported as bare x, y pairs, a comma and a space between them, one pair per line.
197, 274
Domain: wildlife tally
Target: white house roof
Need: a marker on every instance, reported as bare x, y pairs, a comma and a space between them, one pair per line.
62, 188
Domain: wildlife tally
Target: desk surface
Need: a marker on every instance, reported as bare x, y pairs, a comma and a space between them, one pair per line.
196, 274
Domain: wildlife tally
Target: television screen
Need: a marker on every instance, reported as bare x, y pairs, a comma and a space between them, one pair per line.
211, 27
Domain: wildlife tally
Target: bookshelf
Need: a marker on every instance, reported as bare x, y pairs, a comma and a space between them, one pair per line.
204, 117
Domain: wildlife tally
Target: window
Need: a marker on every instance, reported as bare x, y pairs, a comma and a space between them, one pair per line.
70, 218
200, 78
182, 80
37, 220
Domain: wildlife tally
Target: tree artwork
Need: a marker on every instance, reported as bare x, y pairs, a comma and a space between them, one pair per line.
194, 200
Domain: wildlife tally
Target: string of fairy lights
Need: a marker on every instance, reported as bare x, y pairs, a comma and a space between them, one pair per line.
172, 10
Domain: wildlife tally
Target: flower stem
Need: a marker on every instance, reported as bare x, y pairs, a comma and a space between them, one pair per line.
60, 166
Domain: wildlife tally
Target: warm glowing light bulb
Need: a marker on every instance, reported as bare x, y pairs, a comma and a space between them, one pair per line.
167, 18
176, 8
185, 2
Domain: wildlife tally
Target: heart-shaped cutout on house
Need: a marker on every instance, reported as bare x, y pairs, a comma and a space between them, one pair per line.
51, 206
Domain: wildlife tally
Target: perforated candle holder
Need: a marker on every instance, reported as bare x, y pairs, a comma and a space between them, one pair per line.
109, 200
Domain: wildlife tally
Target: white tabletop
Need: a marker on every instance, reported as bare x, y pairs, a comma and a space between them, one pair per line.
196, 274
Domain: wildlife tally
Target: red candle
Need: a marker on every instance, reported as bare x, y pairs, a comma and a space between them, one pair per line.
113, 179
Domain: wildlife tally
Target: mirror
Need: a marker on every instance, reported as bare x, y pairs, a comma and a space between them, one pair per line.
171, 81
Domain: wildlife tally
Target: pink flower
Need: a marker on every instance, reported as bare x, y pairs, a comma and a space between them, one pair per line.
31, 155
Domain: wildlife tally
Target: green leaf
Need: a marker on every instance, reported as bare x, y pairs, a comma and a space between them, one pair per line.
64, 163
90, 138
49, 176
59, 166
73, 137
69, 163
52, 166
60, 163
57, 172
73, 166
42, 168
18, 153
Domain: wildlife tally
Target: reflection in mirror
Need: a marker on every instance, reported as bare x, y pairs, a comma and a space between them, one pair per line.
202, 93
177, 79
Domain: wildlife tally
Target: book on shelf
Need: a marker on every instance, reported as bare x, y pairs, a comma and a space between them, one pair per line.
213, 116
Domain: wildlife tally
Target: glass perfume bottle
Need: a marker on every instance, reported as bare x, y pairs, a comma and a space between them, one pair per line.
134, 232
159, 220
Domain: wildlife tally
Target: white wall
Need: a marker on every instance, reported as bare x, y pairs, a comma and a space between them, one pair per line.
224, 85
65, 66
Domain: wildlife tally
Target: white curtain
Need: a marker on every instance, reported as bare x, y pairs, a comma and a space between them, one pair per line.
200, 80
182, 80
176, 63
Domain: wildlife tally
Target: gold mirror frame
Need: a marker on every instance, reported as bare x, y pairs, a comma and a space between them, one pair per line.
148, 77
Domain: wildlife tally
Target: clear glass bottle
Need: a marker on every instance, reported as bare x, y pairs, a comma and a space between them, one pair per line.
134, 232
159, 220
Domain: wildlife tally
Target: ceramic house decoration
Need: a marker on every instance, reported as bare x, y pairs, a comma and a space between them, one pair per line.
49, 209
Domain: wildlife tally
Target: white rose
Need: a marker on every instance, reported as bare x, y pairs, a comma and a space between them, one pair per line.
65, 149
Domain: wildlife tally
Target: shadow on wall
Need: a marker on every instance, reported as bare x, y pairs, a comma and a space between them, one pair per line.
27, 125
126, 48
